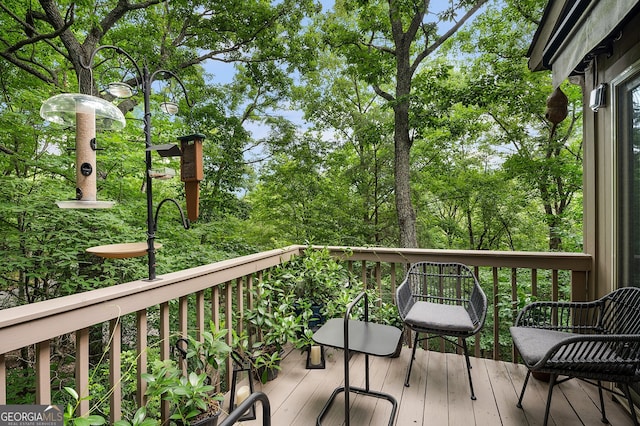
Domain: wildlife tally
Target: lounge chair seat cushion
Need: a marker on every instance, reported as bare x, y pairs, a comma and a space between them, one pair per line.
534, 343
438, 316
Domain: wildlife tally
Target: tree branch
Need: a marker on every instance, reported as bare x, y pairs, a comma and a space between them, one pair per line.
429, 49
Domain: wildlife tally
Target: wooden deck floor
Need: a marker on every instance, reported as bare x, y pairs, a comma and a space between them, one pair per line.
438, 395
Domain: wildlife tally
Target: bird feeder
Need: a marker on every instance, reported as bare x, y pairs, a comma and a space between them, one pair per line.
87, 113
191, 172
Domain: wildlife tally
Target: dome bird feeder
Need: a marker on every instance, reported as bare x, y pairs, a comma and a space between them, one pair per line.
87, 114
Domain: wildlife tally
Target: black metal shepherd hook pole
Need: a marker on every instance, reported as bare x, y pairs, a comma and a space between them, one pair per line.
144, 79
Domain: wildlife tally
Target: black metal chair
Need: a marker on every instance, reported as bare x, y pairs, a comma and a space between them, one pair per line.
595, 341
442, 300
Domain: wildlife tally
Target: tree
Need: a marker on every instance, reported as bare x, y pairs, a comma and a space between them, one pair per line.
357, 123
41, 38
386, 42
543, 156
45, 47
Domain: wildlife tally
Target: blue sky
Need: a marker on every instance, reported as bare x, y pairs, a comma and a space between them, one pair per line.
222, 73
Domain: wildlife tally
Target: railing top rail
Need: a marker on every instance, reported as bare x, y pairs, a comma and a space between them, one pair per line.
28, 324
25, 325
510, 259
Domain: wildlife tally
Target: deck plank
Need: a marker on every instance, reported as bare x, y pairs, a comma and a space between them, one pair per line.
438, 395
485, 409
436, 405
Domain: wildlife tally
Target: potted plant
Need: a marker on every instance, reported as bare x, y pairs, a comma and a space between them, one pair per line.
316, 278
307, 282
273, 324
192, 397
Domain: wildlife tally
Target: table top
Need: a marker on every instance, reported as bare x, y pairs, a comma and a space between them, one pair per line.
365, 337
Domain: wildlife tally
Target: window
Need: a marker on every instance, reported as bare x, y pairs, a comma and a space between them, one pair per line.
628, 121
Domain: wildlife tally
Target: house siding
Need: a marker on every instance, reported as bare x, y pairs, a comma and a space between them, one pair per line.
600, 143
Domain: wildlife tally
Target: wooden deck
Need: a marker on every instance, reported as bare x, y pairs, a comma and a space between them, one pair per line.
438, 395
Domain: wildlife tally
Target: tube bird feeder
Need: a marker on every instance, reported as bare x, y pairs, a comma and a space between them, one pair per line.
87, 113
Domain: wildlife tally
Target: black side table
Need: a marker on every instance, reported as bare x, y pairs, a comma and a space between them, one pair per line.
358, 336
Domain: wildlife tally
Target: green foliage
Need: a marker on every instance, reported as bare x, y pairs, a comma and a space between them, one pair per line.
192, 395
69, 413
207, 355
314, 276
189, 396
139, 419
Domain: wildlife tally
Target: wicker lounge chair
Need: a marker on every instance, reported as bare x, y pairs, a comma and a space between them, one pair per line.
442, 300
595, 341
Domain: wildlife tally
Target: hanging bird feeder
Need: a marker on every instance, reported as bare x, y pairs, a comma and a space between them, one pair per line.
87, 114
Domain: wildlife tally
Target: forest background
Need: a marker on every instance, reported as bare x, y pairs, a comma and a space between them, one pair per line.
460, 112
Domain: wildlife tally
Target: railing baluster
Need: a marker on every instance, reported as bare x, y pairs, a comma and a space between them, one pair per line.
82, 370
165, 331
183, 315
165, 351
476, 340
43, 372
496, 316
250, 301
239, 305
514, 303
378, 277
228, 315
3, 381
215, 306
115, 375
200, 314
142, 330
393, 282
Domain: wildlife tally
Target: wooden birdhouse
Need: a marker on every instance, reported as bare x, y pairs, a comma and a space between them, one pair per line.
191, 172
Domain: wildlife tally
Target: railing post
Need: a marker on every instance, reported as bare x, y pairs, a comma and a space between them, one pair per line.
579, 286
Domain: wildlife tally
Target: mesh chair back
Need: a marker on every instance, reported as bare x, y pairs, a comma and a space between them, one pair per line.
620, 312
445, 283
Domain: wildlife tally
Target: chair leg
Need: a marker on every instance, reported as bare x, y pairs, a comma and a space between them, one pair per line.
552, 383
413, 356
466, 356
630, 401
526, 380
603, 413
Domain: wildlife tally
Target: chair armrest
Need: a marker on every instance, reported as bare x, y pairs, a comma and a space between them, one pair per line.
604, 353
404, 299
576, 317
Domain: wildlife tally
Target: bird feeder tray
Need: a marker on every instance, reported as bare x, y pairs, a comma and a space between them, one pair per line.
121, 251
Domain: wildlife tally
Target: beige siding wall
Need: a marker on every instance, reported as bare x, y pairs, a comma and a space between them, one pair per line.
600, 162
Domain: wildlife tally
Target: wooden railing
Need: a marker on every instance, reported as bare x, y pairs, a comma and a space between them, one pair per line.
29, 331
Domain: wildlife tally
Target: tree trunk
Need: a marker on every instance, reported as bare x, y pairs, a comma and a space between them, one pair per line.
404, 206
